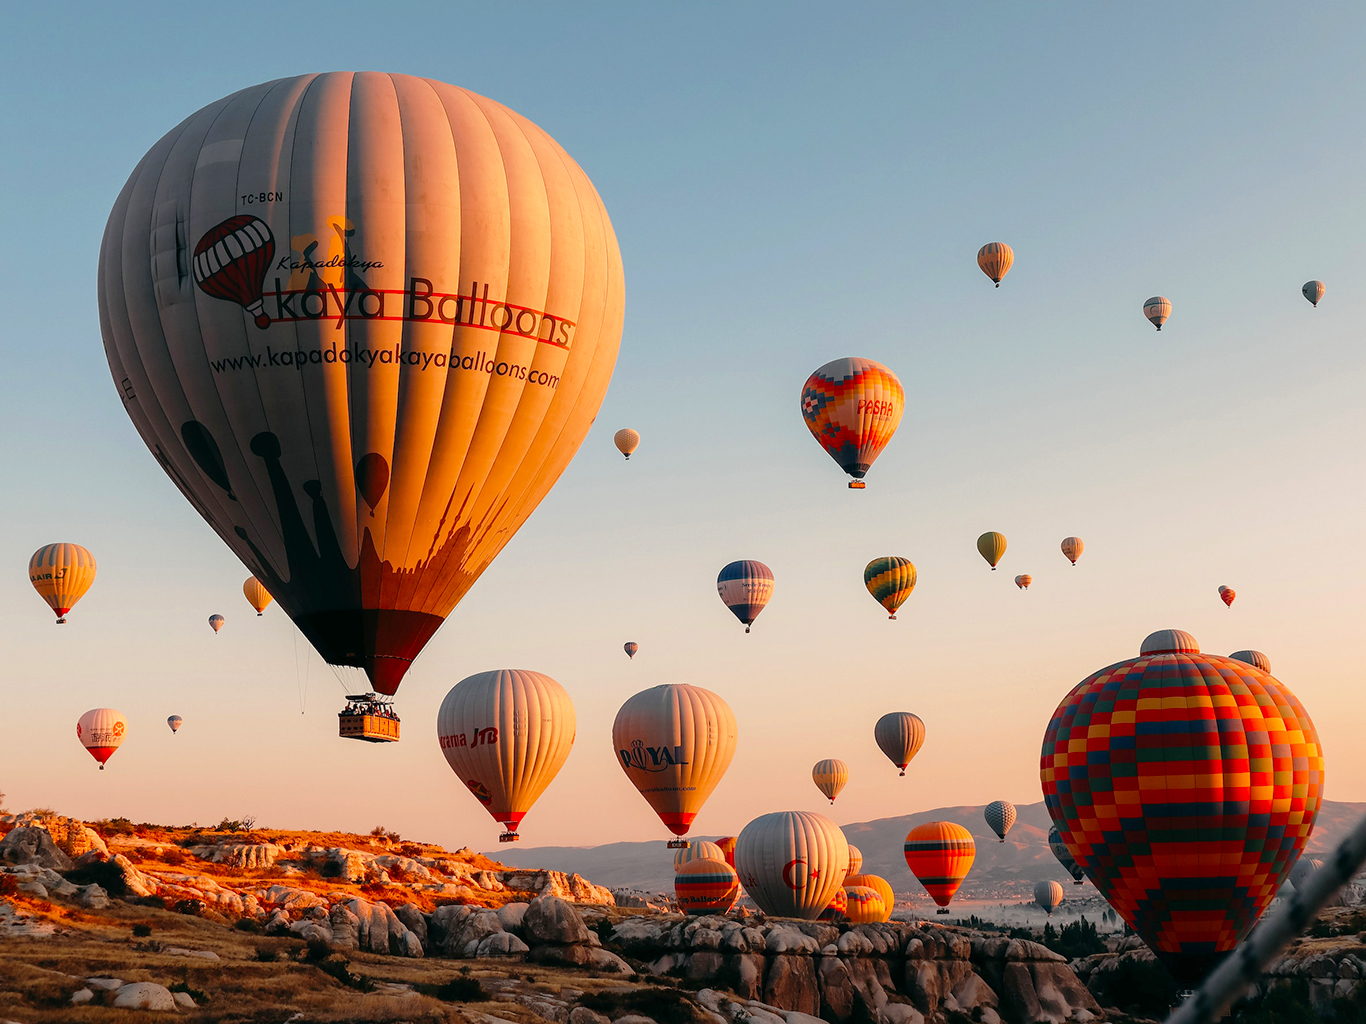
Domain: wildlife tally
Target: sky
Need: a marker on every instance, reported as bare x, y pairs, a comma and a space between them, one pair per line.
787, 187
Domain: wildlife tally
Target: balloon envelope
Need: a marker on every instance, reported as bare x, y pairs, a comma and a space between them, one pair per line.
745, 588
834, 911
1313, 291
995, 259
1064, 855
830, 776
852, 408
256, 594
863, 905
879, 885
890, 580
1000, 817
61, 573
1048, 895
727, 844
1254, 658
102, 731
705, 886
630, 649
991, 546
363, 321
1023, 581
1227, 595
1072, 547
899, 735
175, 722
216, 622
940, 855
1157, 309
791, 862
698, 849
626, 440
1304, 867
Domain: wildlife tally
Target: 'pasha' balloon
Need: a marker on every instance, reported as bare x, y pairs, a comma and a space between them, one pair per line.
1000, 817
940, 855
890, 580
995, 259
899, 735
1072, 547
863, 905
706, 885
363, 321
830, 776
745, 588
506, 734
991, 546
256, 594
1313, 291
61, 573
102, 731
175, 722
626, 440
1049, 895
791, 862
852, 407
880, 886
1157, 309
1185, 785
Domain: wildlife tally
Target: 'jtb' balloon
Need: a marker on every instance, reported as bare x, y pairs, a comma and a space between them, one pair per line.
995, 259
707, 885
1185, 785
879, 885
863, 905
1254, 658
630, 649
675, 742
1023, 581
1313, 291
745, 588
991, 546
852, 407
256, 594
1227, 595
61, 573
830, 776
626, 440
102, 731
698, 849
175, 722
1072, 547
1048, 895
899, 735
1000, 817
890, 580
1157, 309
506, 734
363, 321
216, 622
1064, 855
940, 855
791, 862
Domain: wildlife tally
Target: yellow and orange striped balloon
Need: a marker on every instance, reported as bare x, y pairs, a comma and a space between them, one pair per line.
706, 886
940, 855
864, 905
61, 573
995, 259
838, 905
890, 580
879, 885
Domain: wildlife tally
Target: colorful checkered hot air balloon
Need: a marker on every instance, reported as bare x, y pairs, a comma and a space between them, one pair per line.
705, 886
231, 260
1185, 785
852, 407
940, 855
1000, 816
890, 580
745, 588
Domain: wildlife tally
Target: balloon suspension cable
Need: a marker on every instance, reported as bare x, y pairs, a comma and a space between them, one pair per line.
1244, 966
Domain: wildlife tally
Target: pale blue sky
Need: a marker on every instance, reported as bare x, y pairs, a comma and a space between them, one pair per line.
789, 185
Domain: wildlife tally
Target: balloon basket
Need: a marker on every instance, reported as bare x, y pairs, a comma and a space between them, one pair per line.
942, 910
856, 485
61, 622
509, 837
678, 844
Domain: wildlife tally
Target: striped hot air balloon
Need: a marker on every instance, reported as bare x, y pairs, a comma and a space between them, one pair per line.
102, 731
1227, 595
1186, 786
1157, 309
727, 844
900, 735
1313, 291
216, 622
175, 722
626, 440
837, 907
863, 905
707, 885
1048, 894
1072, 547
1023, 581
940, 855
830, 776
698, 849
880, 886
630, 649
791, 862
256, 594
995, 259
991, 546
1000, 817
890, 580
61, 573
855, 860
852, 408
745, 588
1254, 658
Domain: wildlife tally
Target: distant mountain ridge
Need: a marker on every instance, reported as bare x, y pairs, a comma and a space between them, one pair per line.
1023, 858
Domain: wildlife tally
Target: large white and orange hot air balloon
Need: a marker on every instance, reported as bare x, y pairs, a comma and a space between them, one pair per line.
364, 322
61, 573
792, 862
256, 594
995, 259
675, 742
506, 734
102, 731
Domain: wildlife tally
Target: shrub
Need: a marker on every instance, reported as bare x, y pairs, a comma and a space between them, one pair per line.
9, 885
190, 908
267, 954
1077, 939
236, 825
1143, 988
106, 874
339, 968
193, 993
246, 924
460, 990
317, 950
141, 931
116, 826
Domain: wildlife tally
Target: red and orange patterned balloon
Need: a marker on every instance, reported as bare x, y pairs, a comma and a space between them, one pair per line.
705, 886
1185, 785
940, 855
852, 407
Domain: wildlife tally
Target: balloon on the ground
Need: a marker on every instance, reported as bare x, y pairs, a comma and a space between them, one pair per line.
698, 849
855, 860
863, 905
363, 321
1157, 309
995, 259
1150, 763
175, 722
707, 885
991, 546
1313, 291
1048, 895
899, 735
791, 862
1000, 817
745, 588
890, 580
630, 649
879, 885
940, 855
1227, 595
1064, 855
675, 742
626, 440
852, 408
256, 594
830, 776
506, 734
1023, 581
1072, 547
216, 622
836, 908
1254, 658
727, 844
102, 731
61, 573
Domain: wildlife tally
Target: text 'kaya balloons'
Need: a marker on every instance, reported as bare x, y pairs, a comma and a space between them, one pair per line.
364, 322
1000, 817
256, 594
61, 573
675, 742
791, 862
1185, 785
506, 734
890, 580
852, 407
940, 855
899, 735
102, 731
830, 776
745, 588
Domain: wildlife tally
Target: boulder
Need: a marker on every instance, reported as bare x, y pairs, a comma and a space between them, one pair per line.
184, 1000
143, 995
790, 984
378, 929
344, 925
583, 1015
641, 935
746, 974
512, 915
902, 1013
581, 955
836, 988
33, 845
81, 995
105, 984
501, 944
787, 939
35, 889
705, 966
414, 920
1038, 991
549, 919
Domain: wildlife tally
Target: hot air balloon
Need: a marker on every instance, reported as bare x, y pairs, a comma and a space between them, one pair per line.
995, 259
1064, 856
61, 573
1185, 785
363, 321
102, 731
1157, 309
1072, 547
863, 905
705, 886
216, 622
175, 722
1313, 291
745, 588
506, 734
991, 546
880, 886
852, 407
630, 649
899, 734
1304, 867
791, 862
1048, 895
940, 855
836, 908
698, 849
256, 594
1023, 581
1000, 817
727, 844
890, 580
830, 776
1254, 658
626, 440
1227, 594
675, 742
855, 860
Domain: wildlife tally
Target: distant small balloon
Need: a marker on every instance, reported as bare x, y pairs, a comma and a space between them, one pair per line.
1048, 895
630, 649
1023, 581
1313, 291
1000, 816
1064, 855
626, 440
890, 580
1072, 547
899, 735
1304, 867
1227, 594
991, 546
995, 259
102, 731
1254, 658
1157, 309
745, 587
174, 722
216, 622
61, 573
830, 776
256, 594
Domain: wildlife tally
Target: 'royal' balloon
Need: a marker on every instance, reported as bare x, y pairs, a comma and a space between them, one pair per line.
830, 776
102, 731
1000, 817
899, 735
890, 580
363, 321
791, 862
61, 573
745, 588
852, 408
